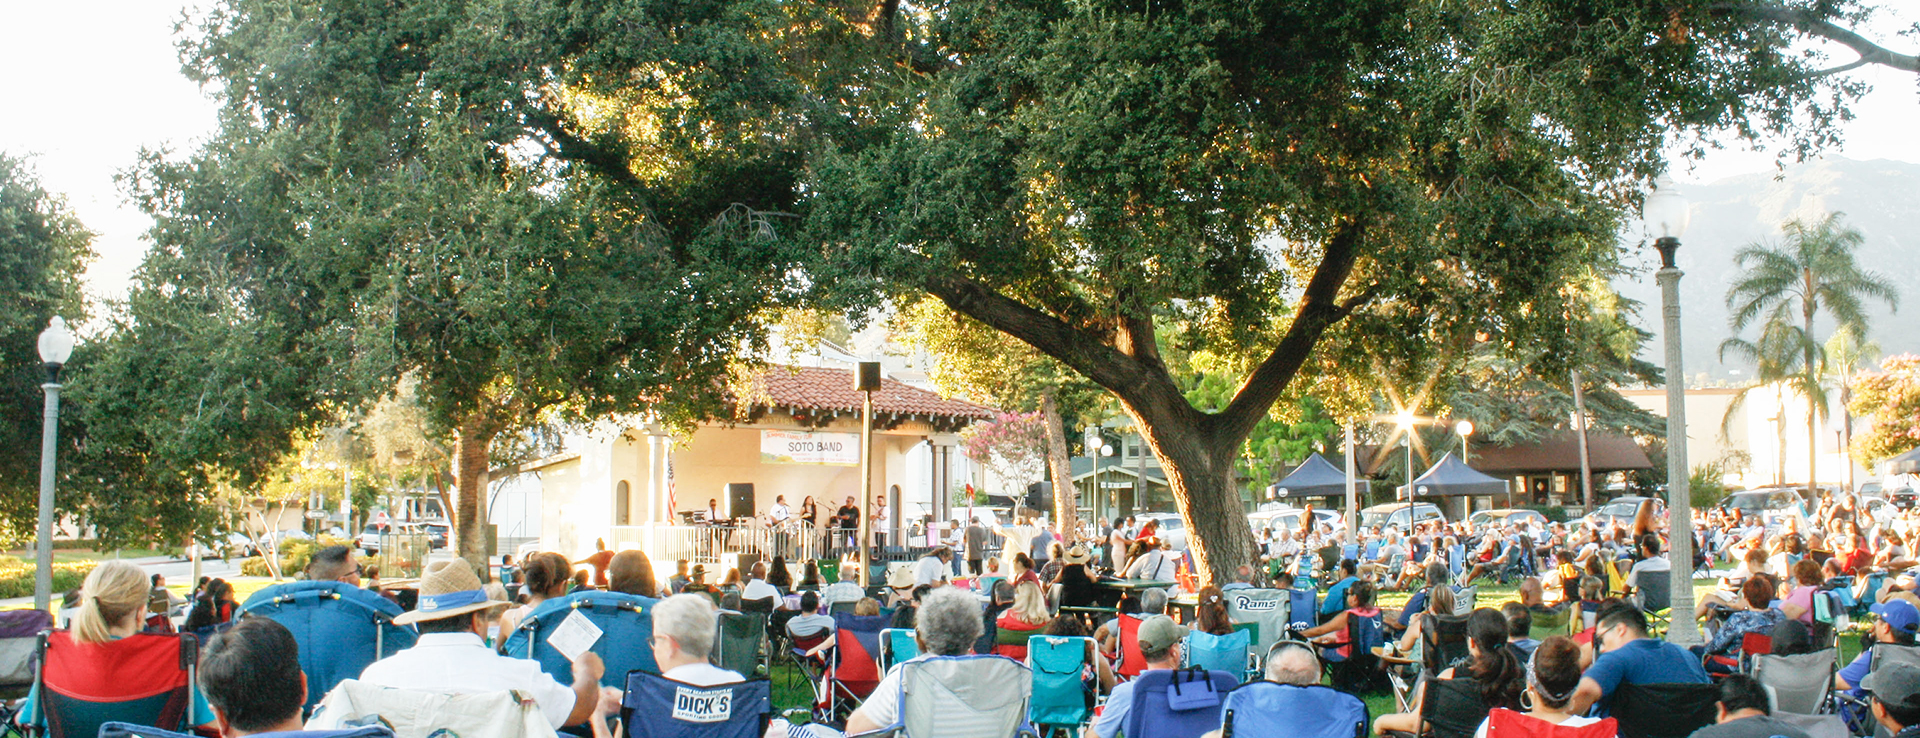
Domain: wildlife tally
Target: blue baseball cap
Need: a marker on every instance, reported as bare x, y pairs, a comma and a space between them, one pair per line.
1899, 615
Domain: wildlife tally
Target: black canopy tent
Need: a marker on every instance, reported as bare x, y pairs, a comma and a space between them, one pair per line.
1451, 477
1316, 477
1907, 463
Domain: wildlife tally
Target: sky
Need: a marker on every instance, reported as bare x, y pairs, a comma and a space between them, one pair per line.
95, 81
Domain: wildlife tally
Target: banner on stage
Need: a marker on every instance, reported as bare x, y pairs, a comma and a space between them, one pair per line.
800, 447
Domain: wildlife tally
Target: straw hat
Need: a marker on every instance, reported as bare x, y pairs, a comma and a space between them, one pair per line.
1077, 555
901, 578
448, 589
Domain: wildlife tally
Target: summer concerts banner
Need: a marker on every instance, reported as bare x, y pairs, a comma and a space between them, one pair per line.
800, 447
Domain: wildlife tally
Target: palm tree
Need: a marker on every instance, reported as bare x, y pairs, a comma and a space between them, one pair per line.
1785, 288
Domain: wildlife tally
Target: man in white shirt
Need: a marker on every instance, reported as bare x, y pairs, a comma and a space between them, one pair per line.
450, 657
683, 630
932, 568
757, 587
779, 513
846, 590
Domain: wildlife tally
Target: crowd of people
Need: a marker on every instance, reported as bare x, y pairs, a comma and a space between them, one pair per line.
1590, 577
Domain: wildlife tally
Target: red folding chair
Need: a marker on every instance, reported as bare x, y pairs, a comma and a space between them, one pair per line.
146, 679
1132, 662
854, 668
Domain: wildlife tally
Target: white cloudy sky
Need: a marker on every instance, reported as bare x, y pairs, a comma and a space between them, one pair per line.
90, 82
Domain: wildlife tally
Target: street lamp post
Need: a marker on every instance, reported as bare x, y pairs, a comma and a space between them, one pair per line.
1464, 429
1666, 213
866, 380
1406, 420
56, 345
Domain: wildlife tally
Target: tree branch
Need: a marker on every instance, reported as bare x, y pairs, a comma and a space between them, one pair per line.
1318, 311
1141, 381
1808, 22
573, 148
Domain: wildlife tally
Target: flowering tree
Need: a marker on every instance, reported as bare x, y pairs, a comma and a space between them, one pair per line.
1892, 397
1013, 445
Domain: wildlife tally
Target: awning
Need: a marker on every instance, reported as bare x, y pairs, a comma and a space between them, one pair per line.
1452, 477
1316, 477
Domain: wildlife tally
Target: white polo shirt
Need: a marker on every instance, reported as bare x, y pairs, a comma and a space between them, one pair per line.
461, 663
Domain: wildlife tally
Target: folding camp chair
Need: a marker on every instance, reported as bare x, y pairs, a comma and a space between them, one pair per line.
1504, 722
853, 668
896, 645
670, 709
1672, 710
147, 678
625, 622
1011, 640
1302, 607
1177, 703
1800, 683
1267, 610
1654, 595
341, 629
961, 696
739, 642
1464, 600
1059, 695
1443, 642
1451, 708
1358, 670
129, 730
1131, 662
1226, 653
1263, 709
19, 640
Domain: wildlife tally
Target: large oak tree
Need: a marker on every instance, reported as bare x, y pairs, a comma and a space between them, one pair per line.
1308, 186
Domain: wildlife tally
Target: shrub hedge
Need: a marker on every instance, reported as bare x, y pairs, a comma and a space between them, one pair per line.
17, 580
294, 555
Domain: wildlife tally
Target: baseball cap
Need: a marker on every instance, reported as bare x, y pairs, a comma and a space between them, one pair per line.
1159, 633
1899, 615
1895, 683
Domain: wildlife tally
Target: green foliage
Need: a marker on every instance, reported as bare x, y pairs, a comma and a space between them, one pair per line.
43, 250
1892, 397
16, 579
1553, 513
295, 554
1706, 485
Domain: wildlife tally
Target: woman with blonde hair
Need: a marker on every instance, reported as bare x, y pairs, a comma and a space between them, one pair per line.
113, 603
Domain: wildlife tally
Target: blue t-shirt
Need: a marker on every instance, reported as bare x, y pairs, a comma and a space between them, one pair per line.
1645, 661
1337, 596
1856, 671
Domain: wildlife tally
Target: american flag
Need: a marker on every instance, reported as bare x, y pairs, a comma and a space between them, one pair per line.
672, 506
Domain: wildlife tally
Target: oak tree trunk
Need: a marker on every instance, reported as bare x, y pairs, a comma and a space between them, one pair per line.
469, 511
1066, 504
1200, 474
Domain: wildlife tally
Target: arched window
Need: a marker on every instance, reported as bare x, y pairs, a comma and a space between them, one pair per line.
622, 507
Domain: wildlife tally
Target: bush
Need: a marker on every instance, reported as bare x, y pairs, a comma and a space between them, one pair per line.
17, 580
1554, 513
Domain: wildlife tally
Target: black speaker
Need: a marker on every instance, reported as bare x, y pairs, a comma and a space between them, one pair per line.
867, 378
739, 499
1039, 496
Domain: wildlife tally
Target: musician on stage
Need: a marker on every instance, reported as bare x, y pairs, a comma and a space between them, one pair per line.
779, 513
846, 522
713, 510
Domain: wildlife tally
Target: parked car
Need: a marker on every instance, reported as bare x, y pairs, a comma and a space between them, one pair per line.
1288, 521
221, 546
1621, 510
1766, 503
1173, 530
1397, 515
1480, 521
369, 538
1870, 490
438, 534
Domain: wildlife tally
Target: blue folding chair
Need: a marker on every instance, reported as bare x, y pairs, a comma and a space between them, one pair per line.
896, 645
341, 629
670, 709
1302, 610
1226, 653
626, 640
1177, 702
1263, 709
1059, 693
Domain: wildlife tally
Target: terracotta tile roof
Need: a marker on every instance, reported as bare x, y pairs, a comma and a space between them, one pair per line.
812, 391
